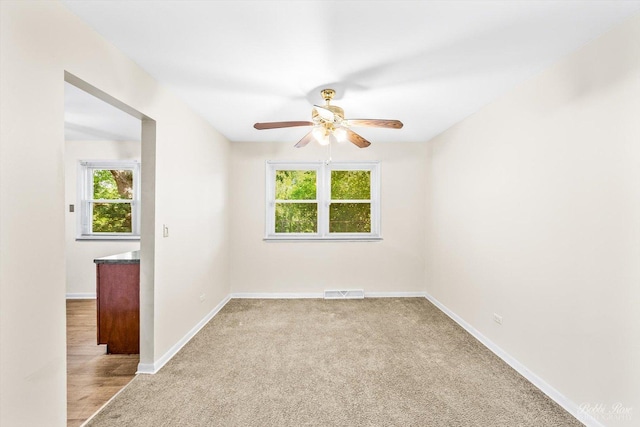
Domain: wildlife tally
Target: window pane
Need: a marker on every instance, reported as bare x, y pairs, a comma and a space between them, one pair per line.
296, 218
350, 185
112, 184
111, 218
350, 218
295, 185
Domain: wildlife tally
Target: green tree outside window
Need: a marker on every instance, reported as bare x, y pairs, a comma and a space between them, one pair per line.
345, 215
112, 217
296, 217
296, 205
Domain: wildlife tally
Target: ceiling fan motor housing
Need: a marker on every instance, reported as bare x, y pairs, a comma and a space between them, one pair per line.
338, 115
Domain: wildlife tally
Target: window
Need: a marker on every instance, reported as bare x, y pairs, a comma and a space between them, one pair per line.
320, 201
109, 200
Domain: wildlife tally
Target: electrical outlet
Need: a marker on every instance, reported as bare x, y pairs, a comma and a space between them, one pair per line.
165, 231
202, 297
497, 318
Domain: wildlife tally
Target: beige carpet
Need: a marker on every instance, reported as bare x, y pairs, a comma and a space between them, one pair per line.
372, 362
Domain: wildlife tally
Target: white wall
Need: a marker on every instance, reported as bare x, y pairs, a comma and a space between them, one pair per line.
533, 212
39, 41
79, 254
394, 265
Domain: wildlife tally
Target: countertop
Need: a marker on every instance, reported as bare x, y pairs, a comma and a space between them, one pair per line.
125, 258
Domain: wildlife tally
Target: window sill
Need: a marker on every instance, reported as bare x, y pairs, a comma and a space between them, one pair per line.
112, 238
322, 239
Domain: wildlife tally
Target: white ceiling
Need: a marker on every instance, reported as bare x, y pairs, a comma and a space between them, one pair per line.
87, 118
427, 63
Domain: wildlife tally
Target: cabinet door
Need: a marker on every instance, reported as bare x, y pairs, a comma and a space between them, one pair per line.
118, 293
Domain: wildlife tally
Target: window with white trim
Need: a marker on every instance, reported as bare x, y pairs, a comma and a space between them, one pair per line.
323, 201
109, 199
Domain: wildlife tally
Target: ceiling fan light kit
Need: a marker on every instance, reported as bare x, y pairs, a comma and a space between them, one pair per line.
330, 126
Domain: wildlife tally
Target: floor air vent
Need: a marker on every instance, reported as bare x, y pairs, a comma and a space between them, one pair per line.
344, 294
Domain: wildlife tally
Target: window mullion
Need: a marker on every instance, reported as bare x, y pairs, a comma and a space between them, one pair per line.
111, 200
135, 205
374, 192
270, 212
88, 223
323, 200
297, 201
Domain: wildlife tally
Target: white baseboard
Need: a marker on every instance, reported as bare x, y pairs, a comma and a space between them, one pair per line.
152, 368
547, 389
300, 295
394, 294
276, 295
81, 295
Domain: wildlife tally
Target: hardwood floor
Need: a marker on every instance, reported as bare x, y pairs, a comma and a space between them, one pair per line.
93, 376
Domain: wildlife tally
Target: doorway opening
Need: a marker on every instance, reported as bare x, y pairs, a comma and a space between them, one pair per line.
105, 215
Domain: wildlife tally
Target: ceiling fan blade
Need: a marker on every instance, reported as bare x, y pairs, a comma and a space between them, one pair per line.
325, 113
378, 123
357, 139
275, 125
305, 140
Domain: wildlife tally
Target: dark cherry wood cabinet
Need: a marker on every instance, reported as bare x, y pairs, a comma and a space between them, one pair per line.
118, 302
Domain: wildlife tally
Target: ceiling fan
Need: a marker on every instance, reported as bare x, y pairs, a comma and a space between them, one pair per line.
329, 124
